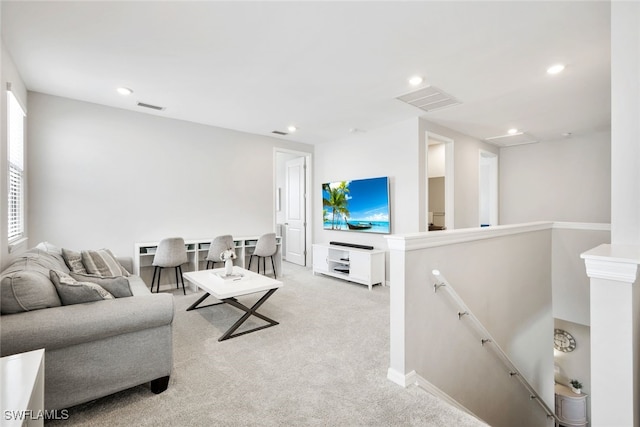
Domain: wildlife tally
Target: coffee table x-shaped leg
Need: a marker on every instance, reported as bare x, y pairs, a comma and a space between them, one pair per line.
249, 311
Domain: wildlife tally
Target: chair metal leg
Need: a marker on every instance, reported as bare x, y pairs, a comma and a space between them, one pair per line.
177, 282
274, 267
159, 274
155, 270
251, 259
181, 278
209, 262
264, 265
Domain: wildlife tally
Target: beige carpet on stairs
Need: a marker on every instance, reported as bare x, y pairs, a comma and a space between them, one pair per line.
325, 364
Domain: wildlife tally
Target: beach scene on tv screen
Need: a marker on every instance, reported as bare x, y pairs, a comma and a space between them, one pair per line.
358, 205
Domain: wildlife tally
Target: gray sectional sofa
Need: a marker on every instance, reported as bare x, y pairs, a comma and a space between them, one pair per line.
92, 349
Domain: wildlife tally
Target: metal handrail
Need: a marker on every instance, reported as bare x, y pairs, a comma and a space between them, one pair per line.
465, 312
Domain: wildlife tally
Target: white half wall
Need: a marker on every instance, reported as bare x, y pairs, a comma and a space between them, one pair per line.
562, 180
106, 177
503, 274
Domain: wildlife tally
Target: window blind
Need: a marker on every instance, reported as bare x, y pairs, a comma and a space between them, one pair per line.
16, 177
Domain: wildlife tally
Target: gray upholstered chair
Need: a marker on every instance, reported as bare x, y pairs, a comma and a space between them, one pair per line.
171, 253
266, 247
218, 245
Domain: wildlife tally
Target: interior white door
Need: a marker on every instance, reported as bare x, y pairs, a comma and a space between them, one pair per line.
295, 212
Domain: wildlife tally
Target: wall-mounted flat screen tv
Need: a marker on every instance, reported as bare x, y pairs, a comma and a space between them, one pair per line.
358, 205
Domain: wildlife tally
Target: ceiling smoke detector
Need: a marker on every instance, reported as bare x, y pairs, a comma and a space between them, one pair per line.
429, 99
509, 140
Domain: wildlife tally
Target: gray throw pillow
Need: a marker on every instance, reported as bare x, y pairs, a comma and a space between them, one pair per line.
102, 263
116, 286
73, 292
26, 290
73, 260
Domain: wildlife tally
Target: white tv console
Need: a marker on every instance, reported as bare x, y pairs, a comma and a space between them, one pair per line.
353, 264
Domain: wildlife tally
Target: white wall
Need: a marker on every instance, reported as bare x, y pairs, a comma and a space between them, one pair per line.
571, 292
435, 160
466, 173
9, 74
105, 177
390, 151
625, 126
562, 180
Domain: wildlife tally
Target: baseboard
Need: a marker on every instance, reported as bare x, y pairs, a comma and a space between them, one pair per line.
432, 389
401, 379
412, 378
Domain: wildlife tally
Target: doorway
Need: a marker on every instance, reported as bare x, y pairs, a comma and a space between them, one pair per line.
488, 191
439, 186
292, 203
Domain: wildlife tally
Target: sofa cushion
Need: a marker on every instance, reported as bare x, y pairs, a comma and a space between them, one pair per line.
26, 290
25, 283
73, 292
73, 260
37, 260
102, 263
116, 286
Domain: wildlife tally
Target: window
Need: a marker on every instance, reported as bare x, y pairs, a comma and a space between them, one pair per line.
15, 125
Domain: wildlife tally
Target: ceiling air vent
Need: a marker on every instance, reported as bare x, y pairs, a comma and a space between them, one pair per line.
511, 140
153, 107
429, 99
277, 132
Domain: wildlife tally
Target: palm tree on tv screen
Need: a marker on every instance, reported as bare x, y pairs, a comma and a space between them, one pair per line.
337, 199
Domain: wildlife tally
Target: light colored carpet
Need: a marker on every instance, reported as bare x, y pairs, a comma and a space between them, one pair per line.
325, 364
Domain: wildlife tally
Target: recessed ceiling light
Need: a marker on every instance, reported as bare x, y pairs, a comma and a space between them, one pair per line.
124, 91
555, 69
292, 128
512, 131
415, 80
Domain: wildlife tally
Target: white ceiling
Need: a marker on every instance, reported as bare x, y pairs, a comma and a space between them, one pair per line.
325, 67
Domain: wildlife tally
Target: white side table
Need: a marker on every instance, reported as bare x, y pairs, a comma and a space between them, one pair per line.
22, 389
571, 408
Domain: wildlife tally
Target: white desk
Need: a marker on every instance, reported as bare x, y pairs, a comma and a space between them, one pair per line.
22, 389
197, 250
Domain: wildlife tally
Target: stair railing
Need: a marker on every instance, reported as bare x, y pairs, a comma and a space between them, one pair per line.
487, 341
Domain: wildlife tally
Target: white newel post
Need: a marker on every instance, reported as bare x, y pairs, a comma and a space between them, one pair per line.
397, 368
615, 334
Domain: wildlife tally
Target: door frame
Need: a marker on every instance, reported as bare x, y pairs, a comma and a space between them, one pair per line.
449, 193
308, 198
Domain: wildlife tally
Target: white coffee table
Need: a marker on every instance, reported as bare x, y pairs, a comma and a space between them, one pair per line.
226, 290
